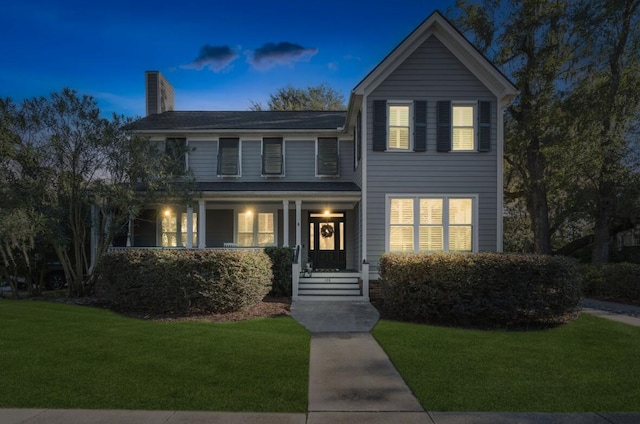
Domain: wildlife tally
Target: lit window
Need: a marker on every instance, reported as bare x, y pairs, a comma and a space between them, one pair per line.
462, 127
399, 127
401, 225
256, 232
445, 224
245, 229
173, 233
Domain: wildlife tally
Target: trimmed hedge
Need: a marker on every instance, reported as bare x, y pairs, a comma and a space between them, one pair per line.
617, 282
184, 281
281, 259
480, 290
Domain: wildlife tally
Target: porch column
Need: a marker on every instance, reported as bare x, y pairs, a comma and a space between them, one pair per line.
298, 222
189, 227
285, 223
202, 224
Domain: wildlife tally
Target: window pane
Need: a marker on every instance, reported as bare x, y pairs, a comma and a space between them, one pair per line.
245, 229
399, 116
431, 239
463, 116
401, 211
194, 226
272, 156
245, 239
460, 239
398, 138
342, 236
312, 239
169, 227
401, 239
327, 243
327, 156
462, 139
265, 239
229, 151
460, 211
265, 229
431, 211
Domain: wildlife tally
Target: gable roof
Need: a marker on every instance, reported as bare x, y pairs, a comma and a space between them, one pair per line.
437, 25
240, 120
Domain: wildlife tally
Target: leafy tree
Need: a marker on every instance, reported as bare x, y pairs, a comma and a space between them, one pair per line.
79, 172
319, 97
603, 114
531, 40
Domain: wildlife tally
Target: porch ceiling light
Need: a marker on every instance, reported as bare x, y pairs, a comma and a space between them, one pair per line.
249, 212
167, 212
327, 212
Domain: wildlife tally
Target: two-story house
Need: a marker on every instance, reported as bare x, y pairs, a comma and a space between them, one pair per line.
413, 165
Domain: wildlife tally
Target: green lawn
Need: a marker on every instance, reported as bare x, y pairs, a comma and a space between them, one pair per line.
62, 356
590, 365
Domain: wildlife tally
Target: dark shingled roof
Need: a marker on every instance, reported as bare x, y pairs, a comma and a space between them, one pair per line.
241, 120
271, 186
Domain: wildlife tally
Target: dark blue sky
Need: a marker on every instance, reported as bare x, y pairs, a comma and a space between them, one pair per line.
218, 55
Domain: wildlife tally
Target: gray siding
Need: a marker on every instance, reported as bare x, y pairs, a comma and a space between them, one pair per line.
202, 159
299, 159
431, 73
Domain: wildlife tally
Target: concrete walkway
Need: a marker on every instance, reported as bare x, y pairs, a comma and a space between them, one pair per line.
627, 314
351, 380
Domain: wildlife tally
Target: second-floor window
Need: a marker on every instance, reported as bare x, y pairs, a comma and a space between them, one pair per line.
175, 149
272, 157
229, 157
327, 158
462, 128
398, 133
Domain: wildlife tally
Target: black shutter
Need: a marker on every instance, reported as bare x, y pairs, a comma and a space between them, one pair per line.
420, 126
484, 125
272, 156
228, 154
327, 156
443, 137
379, 125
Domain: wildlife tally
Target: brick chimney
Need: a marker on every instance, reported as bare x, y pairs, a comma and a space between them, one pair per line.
158, 93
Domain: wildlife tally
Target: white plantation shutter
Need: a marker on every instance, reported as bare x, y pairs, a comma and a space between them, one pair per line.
460, 239
460, 220
463, 130
445, 224
401, 211
460, 211
431, 239
431, 231
399, 127
401, 239
401, 228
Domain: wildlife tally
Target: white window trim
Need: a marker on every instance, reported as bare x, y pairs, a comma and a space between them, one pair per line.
408, 103
416, 219
467, 103
337, 158
239, 174
282, 174
255, 211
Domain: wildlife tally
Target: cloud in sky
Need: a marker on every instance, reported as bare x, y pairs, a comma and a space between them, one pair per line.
283, 53
216, 58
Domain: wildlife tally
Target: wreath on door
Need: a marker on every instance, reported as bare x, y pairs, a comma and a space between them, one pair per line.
326, 230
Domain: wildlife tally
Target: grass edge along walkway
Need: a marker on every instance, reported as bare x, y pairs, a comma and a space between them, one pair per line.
64, 356
588, 365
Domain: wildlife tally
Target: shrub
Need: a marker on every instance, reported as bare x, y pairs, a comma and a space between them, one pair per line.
618, 282
281, 259
480, 290
184, 281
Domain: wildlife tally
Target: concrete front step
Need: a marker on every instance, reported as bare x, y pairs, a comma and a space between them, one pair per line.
339, 286
328, 292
